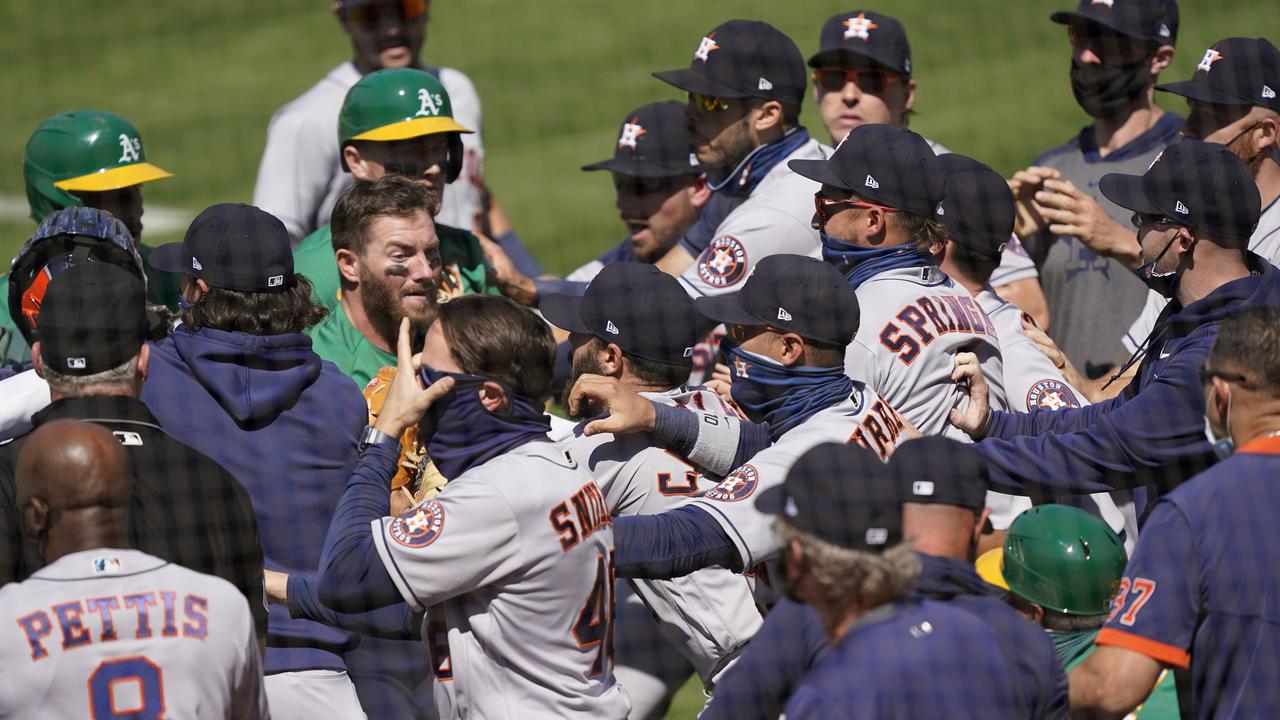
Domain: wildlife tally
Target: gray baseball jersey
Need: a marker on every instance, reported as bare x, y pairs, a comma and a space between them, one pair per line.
113, 633
513, 563
709, 614
775, 219
1265, 241
913, 322
300, 176
1032, 382
863, 418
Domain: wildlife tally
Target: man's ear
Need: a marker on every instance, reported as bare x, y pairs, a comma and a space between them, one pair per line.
39, 516
144, 361
981, 524
348, 266
37, 363
910, 100
360, 166
1037, 614
1162, 58
610, 360
770, 116
699, 192
494, 397
792, 349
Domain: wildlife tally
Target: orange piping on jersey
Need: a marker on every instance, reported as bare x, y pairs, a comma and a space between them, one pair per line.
1262, 446
1153, 649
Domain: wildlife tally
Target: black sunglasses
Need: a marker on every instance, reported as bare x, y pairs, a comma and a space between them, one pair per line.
1206, 374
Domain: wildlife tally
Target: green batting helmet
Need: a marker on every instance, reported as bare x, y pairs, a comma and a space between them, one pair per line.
1059, 557
86, 151
398, 104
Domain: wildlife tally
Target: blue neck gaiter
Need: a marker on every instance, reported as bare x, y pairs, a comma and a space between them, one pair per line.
463, 434
859, 264
747, 175
782, 396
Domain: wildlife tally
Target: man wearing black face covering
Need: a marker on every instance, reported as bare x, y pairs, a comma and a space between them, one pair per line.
1119, 48
1194, 210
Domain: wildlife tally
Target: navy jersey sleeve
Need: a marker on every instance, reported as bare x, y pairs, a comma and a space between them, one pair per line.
1012, 424
1154, 437
781, 652
1157, 607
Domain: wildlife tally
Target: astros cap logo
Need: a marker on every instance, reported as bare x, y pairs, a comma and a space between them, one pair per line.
1211, 56
631, 132
1108, 3
859, 27
705, 47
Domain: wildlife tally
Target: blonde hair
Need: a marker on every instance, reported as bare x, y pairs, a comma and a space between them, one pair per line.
847, 576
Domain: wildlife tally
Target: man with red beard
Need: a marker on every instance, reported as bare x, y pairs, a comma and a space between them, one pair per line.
388, 257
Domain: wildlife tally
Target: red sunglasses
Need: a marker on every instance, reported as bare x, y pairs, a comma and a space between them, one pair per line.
868, 80
821, 205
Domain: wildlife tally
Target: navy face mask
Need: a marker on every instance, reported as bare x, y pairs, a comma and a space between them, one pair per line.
461, 434
859, 264
778, 395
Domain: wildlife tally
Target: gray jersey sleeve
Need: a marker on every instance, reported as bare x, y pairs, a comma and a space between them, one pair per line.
747, 235
1015, 264
248, 694
459, 540
297, 167
1146, 321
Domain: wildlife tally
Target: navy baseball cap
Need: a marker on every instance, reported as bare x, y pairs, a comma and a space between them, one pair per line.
977, 206
232, 246
1235, 71
1153, 20
635, 305
841, 494
1199, 185
934, 470
93, 318
653, 142
885, 164
792, 293
743, 58
865, 34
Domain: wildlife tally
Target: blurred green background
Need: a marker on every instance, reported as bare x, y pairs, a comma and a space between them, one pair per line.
201, 80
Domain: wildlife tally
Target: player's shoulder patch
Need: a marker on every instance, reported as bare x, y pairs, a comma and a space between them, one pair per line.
724, 262
419, 526
740, 484
1051, 394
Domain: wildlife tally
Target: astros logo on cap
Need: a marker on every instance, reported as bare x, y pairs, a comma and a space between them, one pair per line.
1108, 3
1052, 395
705, 47
859, 27
1211, 56
419, 526
737, 486
723, 263
631, 132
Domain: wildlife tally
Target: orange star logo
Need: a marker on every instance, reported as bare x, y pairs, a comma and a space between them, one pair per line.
859, 27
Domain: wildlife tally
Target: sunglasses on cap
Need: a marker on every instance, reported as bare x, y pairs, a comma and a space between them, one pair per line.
1140, 220
822, 206
867, 80
1107, 44
742, 333
636, 185
708, 103
370, 16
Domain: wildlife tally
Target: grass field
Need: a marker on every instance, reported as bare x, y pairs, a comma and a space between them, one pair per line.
201, 79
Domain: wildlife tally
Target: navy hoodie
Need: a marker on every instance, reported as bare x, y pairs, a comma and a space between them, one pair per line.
286, 424
1150, 434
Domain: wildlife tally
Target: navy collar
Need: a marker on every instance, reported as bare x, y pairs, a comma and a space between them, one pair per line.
1164, 132
756, 165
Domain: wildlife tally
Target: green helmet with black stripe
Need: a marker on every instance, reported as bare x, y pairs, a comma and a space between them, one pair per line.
82, 151
400, 104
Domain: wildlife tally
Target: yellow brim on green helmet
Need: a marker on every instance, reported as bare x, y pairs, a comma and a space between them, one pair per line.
121, 176
411, 128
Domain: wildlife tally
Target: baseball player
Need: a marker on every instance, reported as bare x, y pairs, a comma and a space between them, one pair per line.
105, 631
787, 332
660, 191
892, 655
1061, 567
862, 75
978, 214
636, 326
746, 85
876, 208
1199, 590
92, 159
1233, 100
1118, 50
1194, 210
512, 561
943, 513
301, 173
399, 122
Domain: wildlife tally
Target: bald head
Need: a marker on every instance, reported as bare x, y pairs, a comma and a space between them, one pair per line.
74, 486
942, 530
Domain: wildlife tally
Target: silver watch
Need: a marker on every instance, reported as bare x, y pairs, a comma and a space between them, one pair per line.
373, 436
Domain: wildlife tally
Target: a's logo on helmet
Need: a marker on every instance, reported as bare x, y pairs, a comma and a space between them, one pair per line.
429, 103
1051, 394
631, 132
723, 263
738, 486
130, 149
419, 526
